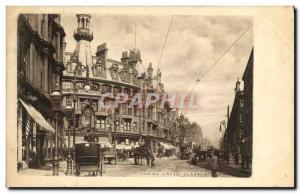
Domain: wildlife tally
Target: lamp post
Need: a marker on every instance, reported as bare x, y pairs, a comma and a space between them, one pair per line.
81, 68
69, 113
56, 99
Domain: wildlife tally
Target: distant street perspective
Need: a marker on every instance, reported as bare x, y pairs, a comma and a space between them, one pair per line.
110, 95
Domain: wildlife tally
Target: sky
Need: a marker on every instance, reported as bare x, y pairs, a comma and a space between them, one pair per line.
193, 45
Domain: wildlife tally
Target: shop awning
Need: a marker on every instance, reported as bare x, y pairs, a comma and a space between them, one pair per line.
166, 146
122, 146
37, 117
172, 146
104, 142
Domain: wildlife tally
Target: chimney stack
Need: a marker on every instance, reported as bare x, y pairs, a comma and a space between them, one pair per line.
102, 53
237, 86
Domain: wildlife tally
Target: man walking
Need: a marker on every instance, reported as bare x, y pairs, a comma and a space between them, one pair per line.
213, 163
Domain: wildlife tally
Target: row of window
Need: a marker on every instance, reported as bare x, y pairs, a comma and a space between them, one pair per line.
68, 85
99, 70
37, 70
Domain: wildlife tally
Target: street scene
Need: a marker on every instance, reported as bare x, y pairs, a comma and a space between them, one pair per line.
134, 95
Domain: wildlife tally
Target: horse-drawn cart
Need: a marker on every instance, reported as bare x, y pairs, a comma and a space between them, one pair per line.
143, 152
88, 158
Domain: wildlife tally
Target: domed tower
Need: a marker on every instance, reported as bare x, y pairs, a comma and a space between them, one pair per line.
83, 36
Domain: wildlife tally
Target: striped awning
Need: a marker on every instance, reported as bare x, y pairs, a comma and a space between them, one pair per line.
37, 117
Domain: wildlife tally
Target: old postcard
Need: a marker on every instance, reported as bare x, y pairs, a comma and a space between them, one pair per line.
150, 97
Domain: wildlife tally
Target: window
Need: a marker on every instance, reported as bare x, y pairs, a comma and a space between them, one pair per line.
143, 126
69, 67
114, 75
134, 79
67, 85
127, 125
106, 89
241, 116
98, 70
102, 124
87, 115
69, 101
117, 127
135, 111
134, 128
79, 85
241, 102
127, 92
41, 73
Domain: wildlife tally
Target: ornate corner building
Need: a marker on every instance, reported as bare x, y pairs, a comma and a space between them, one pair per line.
127, 126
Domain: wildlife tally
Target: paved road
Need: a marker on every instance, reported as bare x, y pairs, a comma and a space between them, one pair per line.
163, 167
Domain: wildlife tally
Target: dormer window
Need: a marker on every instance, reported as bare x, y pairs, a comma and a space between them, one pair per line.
98, 70
114, 74
134, 77
114, 71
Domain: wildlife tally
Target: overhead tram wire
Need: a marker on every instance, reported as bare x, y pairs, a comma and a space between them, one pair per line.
225, 52
162, 50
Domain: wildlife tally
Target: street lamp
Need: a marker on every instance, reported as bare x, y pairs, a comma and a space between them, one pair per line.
56, 100
87, 88
78, 68
69, 114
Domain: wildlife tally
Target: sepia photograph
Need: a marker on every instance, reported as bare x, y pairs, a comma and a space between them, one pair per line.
143, 95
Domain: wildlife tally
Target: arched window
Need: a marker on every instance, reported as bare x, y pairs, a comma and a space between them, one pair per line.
117, 90
106, 88
117, 126
87, 116
127, 92
82, 22
95, 87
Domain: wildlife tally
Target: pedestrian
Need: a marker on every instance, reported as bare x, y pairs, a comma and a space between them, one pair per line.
213, 164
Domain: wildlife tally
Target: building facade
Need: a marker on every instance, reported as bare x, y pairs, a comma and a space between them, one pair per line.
237, 140
248, 108
127, 125
40, 50
235, 125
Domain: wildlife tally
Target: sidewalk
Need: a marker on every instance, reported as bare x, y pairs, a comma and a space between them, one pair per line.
230, 169
45, 170
236, 170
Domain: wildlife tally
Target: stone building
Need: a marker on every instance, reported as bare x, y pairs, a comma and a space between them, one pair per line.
237, 140
127, 126
40, 51
248, 108
235, 125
